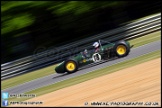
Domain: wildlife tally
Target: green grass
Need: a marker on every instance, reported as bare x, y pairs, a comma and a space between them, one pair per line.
50, 69
91, 75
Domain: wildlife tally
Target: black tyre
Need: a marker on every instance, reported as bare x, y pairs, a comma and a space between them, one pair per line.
71, 66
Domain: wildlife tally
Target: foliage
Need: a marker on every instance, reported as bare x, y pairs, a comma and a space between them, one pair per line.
14, 17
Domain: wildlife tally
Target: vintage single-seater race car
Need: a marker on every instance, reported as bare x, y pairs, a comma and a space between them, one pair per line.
105, 51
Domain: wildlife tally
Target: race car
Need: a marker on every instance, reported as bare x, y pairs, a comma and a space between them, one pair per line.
105, 51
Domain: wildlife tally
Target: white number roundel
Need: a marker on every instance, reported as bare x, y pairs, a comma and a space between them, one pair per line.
96, 57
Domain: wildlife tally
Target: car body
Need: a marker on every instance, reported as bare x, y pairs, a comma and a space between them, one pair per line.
106, 51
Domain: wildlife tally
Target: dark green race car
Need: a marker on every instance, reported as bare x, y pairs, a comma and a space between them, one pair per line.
105, 51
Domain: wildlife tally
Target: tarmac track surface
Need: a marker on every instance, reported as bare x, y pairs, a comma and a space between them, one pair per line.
54, 78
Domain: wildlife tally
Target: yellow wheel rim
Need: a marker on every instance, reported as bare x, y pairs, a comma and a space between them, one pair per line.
70, 66
121, 49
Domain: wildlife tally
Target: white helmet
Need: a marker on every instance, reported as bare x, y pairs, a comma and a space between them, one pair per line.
96, 44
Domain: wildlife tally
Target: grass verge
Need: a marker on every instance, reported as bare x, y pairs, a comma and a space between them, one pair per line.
91, 75
50, 69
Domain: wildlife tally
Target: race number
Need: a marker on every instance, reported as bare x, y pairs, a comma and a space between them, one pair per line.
96, 57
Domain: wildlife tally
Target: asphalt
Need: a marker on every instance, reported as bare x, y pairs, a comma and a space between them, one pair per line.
54, 78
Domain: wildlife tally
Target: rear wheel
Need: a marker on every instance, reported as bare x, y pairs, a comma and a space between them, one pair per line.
121, 50
71, 66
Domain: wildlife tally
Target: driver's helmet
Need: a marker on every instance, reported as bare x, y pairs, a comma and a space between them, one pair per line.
96, 44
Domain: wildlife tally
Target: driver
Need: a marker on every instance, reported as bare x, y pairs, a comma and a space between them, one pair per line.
96, 45
85, 53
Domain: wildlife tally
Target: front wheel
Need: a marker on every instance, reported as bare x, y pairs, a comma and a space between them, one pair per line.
71, 66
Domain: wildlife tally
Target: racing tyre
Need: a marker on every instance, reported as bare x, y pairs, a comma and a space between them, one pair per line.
121, 49
71, 66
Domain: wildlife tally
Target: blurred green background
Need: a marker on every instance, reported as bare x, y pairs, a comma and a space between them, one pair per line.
27, 25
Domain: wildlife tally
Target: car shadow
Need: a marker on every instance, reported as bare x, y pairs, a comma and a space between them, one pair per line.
60, 75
